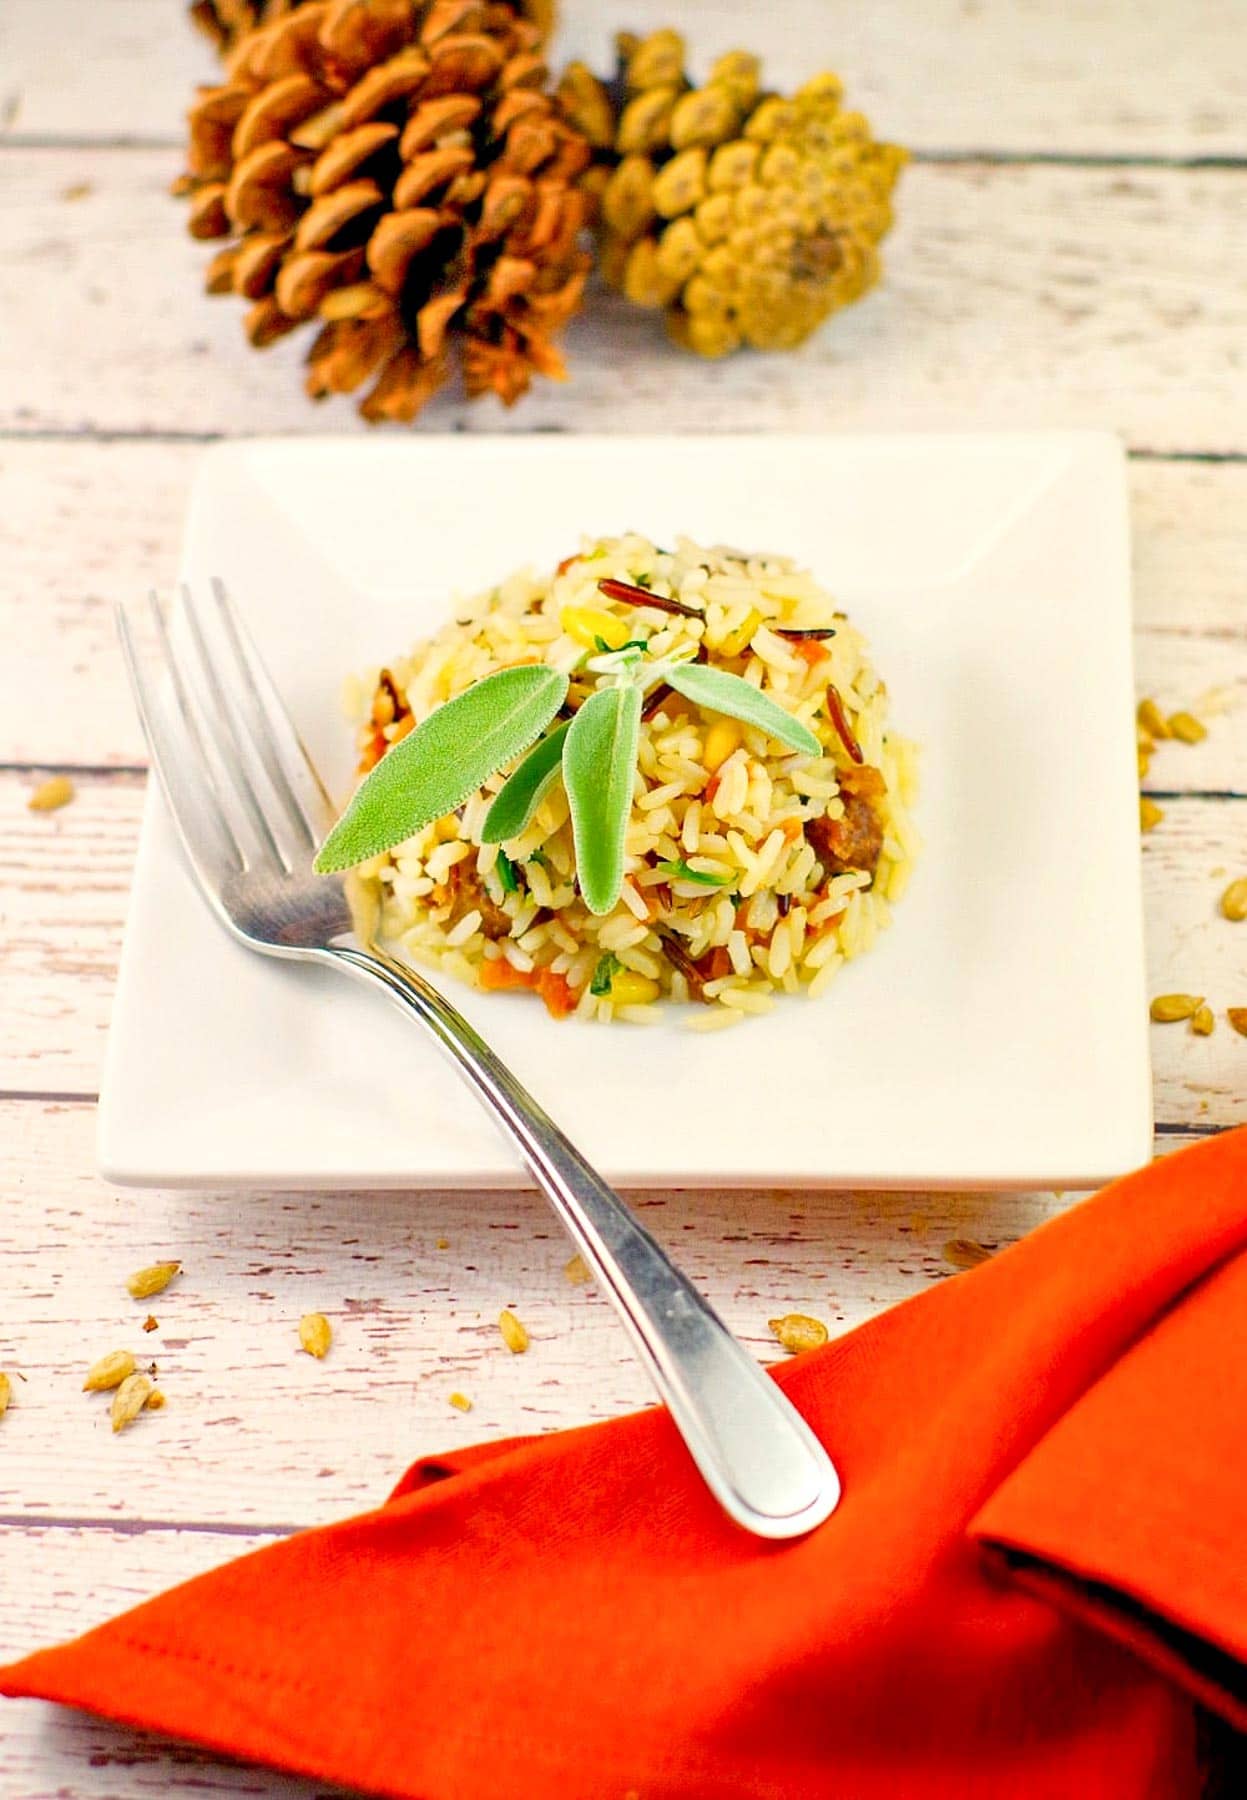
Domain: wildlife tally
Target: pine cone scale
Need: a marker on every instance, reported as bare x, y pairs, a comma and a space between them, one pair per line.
746, 217
396, 169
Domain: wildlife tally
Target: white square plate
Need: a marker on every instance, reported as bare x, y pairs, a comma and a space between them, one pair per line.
996, 1034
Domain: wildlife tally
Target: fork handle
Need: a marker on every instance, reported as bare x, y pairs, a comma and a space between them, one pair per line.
756, 1453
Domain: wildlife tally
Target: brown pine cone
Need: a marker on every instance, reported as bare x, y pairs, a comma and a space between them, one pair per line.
224, 21
396, 170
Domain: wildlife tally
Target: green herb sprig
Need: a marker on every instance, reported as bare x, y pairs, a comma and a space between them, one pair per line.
458, 747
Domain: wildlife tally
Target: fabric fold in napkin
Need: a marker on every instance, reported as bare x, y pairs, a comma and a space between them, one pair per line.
1037, 1568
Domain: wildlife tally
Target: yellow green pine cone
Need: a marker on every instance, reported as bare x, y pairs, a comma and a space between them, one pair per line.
747, 217
396, 172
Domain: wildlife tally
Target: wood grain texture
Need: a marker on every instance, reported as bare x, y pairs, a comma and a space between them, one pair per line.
64, 881
83, 525
1097, 78
275, 1438
1016, 296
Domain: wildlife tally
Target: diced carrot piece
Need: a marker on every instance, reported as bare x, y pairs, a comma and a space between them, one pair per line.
557, 993
497, 975
718, 964
792, 829
566, 563
810, 650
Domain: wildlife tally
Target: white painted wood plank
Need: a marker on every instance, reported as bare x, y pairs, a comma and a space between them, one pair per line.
64, 881
276, 1438
48, 1754
1017, 296
1102, 77
83, 525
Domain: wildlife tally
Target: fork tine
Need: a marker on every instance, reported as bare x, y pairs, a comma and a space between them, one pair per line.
198, 816
273, 732
219, 717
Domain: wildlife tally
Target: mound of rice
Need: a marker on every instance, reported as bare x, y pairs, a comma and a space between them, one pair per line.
751, 871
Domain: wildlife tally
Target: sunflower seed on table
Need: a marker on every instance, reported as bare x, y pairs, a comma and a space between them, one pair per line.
514, 1334
129, 1400
965, 1253
1186, 727
1234, 899
1168, 1009
315, 1334
798, 1331
52, 794
109, 1371
1151, 719
152, 1280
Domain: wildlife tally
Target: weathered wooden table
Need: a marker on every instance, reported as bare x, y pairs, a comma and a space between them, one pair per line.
1072, 250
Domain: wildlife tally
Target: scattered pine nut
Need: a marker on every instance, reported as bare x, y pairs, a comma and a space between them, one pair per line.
152, 1280
6, 1393
1202, 1022
577, 1270
109, 1372
1234, 899
1186, 726
1167, 1009
1237, 1015
514, 1334
315, 1334
797, 1331
50, 795
1151, 719
129, 1400
460, 1402
965, 1253
1150, 815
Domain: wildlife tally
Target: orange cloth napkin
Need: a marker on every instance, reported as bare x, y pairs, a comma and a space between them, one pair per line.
1039, 1560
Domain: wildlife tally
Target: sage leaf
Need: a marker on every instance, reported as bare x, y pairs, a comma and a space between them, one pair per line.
433, 770
599, 765
524, 790
720, 692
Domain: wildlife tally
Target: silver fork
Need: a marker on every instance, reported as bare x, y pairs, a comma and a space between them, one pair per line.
250, 810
